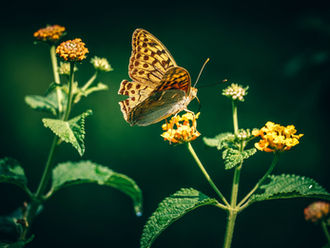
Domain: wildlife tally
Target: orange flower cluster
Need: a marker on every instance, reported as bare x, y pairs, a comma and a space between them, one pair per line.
72, 50
181, 129
317, 211
275, 137
50, 33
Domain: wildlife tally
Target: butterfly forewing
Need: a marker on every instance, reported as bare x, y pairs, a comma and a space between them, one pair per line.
150, 59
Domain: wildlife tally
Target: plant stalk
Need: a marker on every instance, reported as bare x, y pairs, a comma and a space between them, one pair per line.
207, 176
325, 230
37, 198
89, 82
233, 210
56, 78
70, 96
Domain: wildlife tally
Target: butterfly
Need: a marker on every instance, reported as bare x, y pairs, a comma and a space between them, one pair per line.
159, 87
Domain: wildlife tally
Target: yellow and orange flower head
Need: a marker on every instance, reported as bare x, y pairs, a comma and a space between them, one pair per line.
181, 129
275, 137
317, 211
72, 50
50, 33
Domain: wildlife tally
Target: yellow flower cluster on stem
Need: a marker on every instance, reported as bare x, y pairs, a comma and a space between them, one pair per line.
50, 33
72, 50
317, 211
275, 137
181, 129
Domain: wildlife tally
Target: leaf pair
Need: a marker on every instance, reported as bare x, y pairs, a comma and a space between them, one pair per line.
232, 154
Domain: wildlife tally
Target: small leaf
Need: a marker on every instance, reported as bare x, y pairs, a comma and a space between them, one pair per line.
220, 141
72, 131
233, 157
171, 209
290, 186
12, 172
69, 173
42, 103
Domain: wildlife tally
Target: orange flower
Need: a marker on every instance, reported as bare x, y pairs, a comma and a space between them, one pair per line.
72, 50
317, 211
181, 129
275, 137
50, 33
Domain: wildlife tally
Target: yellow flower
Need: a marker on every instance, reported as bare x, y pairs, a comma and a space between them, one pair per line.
72, 50
317, 211
275, 137
50, 33
181, 129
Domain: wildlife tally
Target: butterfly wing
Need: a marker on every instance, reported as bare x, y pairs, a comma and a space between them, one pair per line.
153, 70
150, 59
157, 107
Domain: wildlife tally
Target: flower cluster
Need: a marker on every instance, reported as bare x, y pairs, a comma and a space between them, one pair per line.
275, 137
72, 50
235, 92
181, 129
64, 68
101, 64
50, 33
317, 211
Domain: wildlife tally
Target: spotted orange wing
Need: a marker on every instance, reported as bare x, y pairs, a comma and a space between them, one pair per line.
152, 69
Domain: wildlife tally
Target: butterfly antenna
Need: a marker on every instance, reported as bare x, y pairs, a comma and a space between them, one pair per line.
200, 73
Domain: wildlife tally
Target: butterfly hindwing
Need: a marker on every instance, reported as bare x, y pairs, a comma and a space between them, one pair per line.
157, 107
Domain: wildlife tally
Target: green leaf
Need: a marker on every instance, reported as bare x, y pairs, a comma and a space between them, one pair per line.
69, 173
12, 172
171, 209
290, 186
220, 141
43, 103
72, 131
233, 157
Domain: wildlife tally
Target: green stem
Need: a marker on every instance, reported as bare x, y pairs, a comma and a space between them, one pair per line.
233, 210
208, 178
89, 82
325, 230
270, 169
230, 228
235, 119
69, 102
37, 198
56, 78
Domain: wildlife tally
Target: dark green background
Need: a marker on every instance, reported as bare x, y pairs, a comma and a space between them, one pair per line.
281, 50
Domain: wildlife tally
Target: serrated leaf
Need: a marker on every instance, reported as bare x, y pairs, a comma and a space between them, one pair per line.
290, 186
12, 172
72, 131
171, 209
220, 141
70, 173
233, 157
